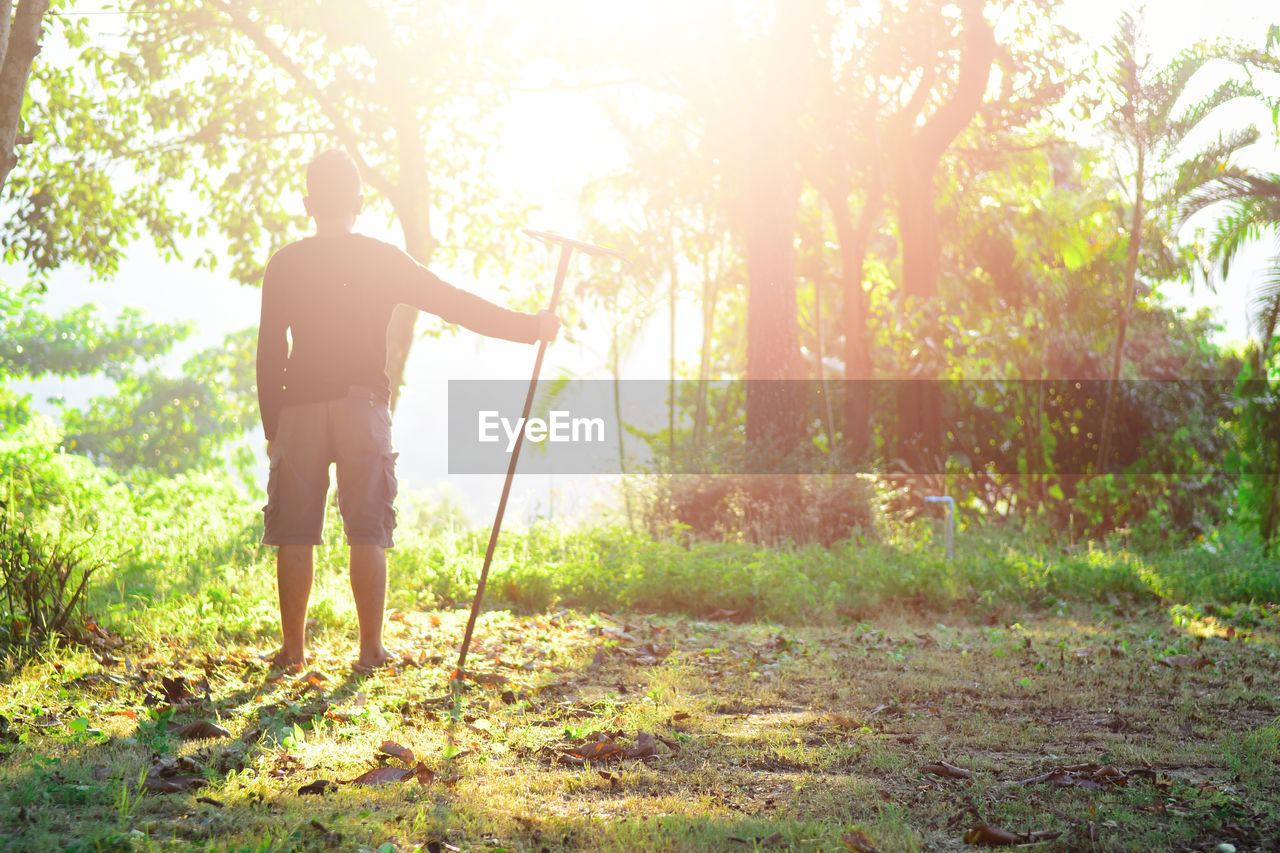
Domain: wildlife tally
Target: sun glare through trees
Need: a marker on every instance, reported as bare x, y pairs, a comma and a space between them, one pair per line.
567, 425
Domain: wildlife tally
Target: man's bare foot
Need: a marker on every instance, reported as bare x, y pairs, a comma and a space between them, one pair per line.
279, 660
376, 661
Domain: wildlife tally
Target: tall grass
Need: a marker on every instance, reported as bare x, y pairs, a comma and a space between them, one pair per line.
182, 555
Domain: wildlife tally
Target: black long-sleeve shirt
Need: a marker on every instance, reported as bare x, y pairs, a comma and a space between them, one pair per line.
326, 304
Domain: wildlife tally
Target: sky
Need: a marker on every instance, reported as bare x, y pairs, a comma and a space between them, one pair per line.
547, 152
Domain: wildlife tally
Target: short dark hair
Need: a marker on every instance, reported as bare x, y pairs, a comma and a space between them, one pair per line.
333, 183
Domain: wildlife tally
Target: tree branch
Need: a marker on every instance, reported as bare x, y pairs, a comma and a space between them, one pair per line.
6, 20
975, 69
256, 33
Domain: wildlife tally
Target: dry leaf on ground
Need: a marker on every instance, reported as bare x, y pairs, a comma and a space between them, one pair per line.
174, 776
986, 835
198, 730
857, 841
319, 786
1185, 661
599, 750
645, 746
381, 776
395, 750
949, 771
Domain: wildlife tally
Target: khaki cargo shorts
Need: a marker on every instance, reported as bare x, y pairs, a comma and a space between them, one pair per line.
354, 433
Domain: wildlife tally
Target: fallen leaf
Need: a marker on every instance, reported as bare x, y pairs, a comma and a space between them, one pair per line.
176, 690
314, 679
489, 679
595, 751
949, 771
381, 776
645, 746
986, 835
670, 744
1093, 776
320, 786
424, 774
198, 730
1185, 662
395, 750
857, 841
173, 784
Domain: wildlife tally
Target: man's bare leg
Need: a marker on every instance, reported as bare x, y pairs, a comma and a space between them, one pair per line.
369, 588
295, 568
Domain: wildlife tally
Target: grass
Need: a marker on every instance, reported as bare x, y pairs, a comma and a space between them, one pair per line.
799, 695
774, 735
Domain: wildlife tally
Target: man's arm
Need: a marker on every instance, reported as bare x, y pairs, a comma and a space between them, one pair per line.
426, 291
273, 351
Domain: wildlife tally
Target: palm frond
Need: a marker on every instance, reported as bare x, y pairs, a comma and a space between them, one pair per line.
1266, 308
1232, 232
1175, 131
1210, 163
1233, 184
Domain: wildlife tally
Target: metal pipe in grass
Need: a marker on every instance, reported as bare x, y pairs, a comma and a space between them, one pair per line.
951, 520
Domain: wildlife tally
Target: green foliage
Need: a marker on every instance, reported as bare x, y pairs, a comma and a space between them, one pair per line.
43, 584
71, 201
49, 508
78, 342
765, 509
170, 425
75, 511
151, 421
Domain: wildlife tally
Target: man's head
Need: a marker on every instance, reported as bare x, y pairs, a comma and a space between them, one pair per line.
333, 187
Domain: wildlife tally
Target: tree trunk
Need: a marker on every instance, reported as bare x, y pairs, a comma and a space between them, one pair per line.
710, 293
773, 331
854, 317
771, 193
21, 43
674, 276
919, 400
412, 205
1130, 286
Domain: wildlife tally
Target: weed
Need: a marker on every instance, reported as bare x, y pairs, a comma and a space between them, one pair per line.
43, 585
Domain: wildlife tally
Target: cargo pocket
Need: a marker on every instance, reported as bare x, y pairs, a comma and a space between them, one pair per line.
271, 509
391, 490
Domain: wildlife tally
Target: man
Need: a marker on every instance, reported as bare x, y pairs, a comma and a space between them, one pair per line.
323, 391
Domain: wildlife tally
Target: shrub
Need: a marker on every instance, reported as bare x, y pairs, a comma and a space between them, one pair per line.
765, 509
43, 584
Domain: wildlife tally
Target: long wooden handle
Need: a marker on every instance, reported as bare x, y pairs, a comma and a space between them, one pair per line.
565, 251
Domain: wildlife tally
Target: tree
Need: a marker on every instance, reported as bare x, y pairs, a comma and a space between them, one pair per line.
151, 421
744, 73
918, 144
906, 86
1253, 207
228, 101
20, 31
1145, 121
169, 425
